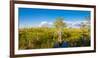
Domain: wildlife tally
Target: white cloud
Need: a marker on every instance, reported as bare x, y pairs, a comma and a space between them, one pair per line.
75, 24
45, 24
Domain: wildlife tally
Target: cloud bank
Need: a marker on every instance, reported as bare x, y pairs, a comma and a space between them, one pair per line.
70, 24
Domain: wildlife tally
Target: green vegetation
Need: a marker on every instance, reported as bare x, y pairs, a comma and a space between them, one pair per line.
45, 37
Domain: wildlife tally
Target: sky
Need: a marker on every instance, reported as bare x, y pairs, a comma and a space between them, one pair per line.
35, 17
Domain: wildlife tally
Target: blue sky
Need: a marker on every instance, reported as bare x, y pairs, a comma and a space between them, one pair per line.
34, 16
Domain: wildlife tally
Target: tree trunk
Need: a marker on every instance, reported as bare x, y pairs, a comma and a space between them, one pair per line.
59, 35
